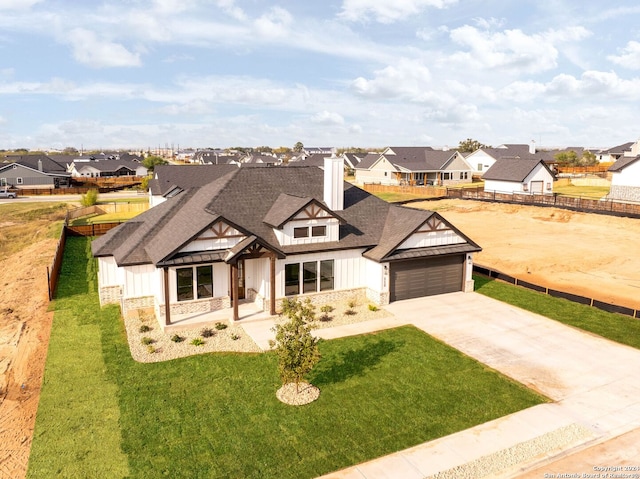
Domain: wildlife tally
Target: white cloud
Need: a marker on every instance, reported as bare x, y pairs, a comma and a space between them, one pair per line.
629, 57
385, 11
230, 8
275, 23
327, 118
511, 49
408, 78
92, 51
17, 4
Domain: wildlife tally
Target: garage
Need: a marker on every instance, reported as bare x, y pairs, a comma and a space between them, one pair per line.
419, 277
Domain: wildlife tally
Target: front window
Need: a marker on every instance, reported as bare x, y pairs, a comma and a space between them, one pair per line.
19, 180
310, 279
479, 166
326, 275
318, 231
301, 232
185, 283
204, 276
291, 279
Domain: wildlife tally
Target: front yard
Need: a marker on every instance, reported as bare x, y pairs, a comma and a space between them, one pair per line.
216, 415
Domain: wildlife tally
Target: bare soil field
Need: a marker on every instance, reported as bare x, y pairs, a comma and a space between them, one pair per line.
587, 254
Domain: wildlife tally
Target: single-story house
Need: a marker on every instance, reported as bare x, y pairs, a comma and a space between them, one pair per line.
614, 153
526, 176
625, 175
171, 180
107, 169
265, 234
34, 171
414, 166
484, 158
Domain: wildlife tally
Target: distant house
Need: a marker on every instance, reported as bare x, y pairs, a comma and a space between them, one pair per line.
171, 180
625, 175
613, 154
525, 176
265, 234
484, 158
106, 169
413, 166
34, 171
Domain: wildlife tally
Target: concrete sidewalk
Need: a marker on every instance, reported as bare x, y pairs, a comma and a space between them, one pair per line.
593, 381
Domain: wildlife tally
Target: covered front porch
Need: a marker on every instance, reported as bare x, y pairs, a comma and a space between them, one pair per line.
247, 311
250, 281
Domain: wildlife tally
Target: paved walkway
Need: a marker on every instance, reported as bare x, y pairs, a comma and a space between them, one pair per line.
594, 383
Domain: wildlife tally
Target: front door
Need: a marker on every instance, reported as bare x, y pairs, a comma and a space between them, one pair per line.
241, 289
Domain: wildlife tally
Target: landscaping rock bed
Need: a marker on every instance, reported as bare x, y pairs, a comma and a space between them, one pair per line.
305, 393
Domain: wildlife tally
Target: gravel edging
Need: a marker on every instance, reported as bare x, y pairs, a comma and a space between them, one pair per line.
304, 393
500, 461
163, 348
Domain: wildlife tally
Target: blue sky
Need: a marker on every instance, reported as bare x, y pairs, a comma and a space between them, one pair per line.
368, 73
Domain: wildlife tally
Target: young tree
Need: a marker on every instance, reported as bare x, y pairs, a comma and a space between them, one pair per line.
90, 198
150, 162
298, 147
296, 348
470, 145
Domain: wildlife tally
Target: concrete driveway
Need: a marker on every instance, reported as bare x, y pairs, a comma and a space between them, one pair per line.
594, 384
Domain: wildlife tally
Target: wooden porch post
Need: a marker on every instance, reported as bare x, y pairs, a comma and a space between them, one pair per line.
167, 306
234, 290
272, 285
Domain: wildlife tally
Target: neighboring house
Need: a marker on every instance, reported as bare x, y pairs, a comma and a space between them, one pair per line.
611, 155
171, 180
106, 169
527, 176
265, 234
484, 158
34, 171
319, 150
625, 175
413, 166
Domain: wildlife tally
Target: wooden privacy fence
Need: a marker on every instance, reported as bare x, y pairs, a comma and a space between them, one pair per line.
53, 272
426, 191
595, 303
576, 203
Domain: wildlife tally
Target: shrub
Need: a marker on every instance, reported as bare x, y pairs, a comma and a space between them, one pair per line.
235, 336
326, 309
207, 332
144, 328
176, 338
349, 312
220, 326
352, 304
197, 341
373, 307
90, 198
147, 340
151, 349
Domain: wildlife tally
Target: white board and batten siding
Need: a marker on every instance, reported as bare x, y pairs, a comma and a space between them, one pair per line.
349, 268
141, 280
286, 237
629, 176
433, 232
109, 273
219, 237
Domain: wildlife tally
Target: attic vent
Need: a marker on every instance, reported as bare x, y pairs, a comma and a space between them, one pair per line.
15, 167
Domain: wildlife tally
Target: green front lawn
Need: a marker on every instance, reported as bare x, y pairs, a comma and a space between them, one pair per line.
617, 327
584, 191
216, 415
104, 218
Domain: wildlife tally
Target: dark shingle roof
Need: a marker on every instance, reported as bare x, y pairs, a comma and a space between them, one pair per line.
244, 198
168, 177
620, 149
622, 163
49, 165
512, 169
109, 165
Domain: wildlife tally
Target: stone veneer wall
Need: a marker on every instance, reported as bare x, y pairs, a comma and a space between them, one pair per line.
379, 297
202, 306
133, 304
626, 193
326, 297
110, 295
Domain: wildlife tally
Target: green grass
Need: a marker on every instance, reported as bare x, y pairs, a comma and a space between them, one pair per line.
105, 218
584, 191
216, 415
617, 327
396, 197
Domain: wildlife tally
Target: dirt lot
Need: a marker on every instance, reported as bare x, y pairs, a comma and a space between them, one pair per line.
587, 254
591, 255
